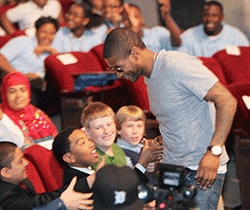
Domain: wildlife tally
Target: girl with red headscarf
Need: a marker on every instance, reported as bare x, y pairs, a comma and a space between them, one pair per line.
26, 119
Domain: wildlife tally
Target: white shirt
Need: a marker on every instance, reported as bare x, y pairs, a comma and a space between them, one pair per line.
26, 14
19, 139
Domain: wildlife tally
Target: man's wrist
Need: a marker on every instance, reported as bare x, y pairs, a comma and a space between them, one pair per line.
215, 150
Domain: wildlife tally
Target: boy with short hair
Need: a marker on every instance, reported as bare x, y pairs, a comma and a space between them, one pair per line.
130, 124
72, 148
13, 172
99, 122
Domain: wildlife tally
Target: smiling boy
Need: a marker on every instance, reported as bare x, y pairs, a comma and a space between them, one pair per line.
73, 148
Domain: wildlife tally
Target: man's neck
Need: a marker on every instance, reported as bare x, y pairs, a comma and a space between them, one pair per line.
148, 64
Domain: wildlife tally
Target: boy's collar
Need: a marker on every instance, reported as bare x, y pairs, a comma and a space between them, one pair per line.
88, 170
126, 145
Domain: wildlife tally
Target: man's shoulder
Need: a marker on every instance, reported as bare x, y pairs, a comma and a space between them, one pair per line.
194, 29
232, 29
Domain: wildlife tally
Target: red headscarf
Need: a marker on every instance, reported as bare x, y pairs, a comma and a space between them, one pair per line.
32, 121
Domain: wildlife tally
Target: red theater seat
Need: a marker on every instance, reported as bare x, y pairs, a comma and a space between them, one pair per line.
138, 93
98, 51
49, 169
213, 65
236, 68
35, 177
242, 116
63, 76
4, 40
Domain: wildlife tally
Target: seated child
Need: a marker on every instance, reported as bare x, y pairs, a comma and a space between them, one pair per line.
13, 172
98, 119
73, 148
130, 124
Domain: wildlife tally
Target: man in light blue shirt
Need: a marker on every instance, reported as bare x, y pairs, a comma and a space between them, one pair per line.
213, 35
156, 38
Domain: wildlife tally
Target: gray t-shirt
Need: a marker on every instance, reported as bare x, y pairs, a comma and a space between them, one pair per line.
176, 89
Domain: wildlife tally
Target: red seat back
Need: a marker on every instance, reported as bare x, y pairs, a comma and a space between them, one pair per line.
242, 116
48, 167
4, 40
236, 68
35, 177
213, 65
63, 76
138, 93
98, 51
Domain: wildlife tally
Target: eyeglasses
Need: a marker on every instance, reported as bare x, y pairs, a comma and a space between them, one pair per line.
117, 68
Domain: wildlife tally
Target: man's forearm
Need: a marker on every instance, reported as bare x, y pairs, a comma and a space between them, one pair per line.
225, 112
174, 31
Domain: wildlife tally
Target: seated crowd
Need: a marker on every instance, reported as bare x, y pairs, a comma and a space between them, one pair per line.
109, 153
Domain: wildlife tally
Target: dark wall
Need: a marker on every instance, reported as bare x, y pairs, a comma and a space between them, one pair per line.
186, 13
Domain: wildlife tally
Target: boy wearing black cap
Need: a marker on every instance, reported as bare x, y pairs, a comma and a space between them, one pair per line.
116, 187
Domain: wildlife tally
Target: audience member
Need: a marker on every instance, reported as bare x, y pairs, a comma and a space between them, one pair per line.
73, 148
27, 55
130, 124
194, 109
116, 188
97, 6
98, 119
112, 13
26, 14
13, 172
82, 31
19, 115
156, 38
212, 35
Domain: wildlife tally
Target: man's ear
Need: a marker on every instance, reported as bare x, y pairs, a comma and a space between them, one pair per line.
68, 158
5, 173
118, 132
135, 52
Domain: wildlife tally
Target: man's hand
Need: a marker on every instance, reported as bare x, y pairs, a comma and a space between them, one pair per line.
150, 153
74, 200
134, 23
32, 76
207, 170
165, 8
40, 49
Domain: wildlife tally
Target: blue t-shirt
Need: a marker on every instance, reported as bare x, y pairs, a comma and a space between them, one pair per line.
20, 54
89, 39
157, 39
195, 42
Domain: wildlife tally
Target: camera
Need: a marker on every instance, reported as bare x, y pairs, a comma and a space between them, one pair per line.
171, 191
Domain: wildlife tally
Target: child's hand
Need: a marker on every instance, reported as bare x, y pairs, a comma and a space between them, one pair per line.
91, 178
150, 153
